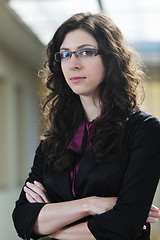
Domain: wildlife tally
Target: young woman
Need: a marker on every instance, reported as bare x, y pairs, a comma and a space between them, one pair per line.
96, 171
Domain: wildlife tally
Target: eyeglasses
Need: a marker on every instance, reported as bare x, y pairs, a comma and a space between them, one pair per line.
83, 53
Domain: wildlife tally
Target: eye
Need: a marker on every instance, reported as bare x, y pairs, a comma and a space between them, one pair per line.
64, 55
86, 52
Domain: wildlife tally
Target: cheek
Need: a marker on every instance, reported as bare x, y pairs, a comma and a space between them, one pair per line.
63, 68
64, 71
99, 71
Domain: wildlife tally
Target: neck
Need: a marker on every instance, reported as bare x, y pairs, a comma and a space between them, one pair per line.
91, 107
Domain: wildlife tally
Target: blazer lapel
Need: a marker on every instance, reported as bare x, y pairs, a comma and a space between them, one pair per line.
64, 185
59, 184
87, 163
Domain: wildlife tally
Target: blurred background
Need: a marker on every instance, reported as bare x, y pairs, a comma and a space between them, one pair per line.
26, 26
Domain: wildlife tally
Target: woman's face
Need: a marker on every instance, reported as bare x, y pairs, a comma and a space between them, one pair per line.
84, 73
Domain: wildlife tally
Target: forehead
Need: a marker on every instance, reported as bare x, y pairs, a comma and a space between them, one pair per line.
78, 38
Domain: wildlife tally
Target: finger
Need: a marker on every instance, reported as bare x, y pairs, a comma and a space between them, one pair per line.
30, 199
154, 208
38, 184
38, 190
52, 235
151, 220
44, 195
45, 198
34, 195
144, 227
154, 214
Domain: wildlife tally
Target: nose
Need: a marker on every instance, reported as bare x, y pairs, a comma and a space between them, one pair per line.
74, 62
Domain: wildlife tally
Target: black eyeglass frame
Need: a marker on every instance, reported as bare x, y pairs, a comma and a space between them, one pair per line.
93, 50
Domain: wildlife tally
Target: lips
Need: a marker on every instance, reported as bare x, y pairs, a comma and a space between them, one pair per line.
77, 79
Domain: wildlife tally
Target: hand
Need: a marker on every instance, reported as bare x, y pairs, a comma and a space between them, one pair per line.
98, 205
153, 216
35, 192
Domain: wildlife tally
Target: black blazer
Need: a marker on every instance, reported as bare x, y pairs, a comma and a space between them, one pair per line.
132, 176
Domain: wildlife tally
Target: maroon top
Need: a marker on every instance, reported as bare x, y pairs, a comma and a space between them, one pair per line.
80, 143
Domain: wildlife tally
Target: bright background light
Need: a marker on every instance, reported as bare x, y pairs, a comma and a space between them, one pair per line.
139, 20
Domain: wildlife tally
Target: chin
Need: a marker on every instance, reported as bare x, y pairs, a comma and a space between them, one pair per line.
78, 91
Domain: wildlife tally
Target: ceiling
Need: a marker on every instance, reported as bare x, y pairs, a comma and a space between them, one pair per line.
139, 20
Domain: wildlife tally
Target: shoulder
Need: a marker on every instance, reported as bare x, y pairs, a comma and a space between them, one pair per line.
39, 149
39, 159
142, 119
144, 127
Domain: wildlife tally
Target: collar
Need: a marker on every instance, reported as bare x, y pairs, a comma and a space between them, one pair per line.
81, 140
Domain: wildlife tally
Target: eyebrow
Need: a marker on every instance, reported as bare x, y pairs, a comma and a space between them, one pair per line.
79, 47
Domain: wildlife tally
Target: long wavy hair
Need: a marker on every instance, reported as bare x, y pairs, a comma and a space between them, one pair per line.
118, 92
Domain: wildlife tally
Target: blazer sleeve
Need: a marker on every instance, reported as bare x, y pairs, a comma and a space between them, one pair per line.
126, 219
25, 213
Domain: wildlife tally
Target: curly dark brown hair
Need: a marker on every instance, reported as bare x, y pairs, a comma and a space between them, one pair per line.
118, 92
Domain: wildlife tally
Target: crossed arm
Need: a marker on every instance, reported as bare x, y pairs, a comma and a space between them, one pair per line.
53, 218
